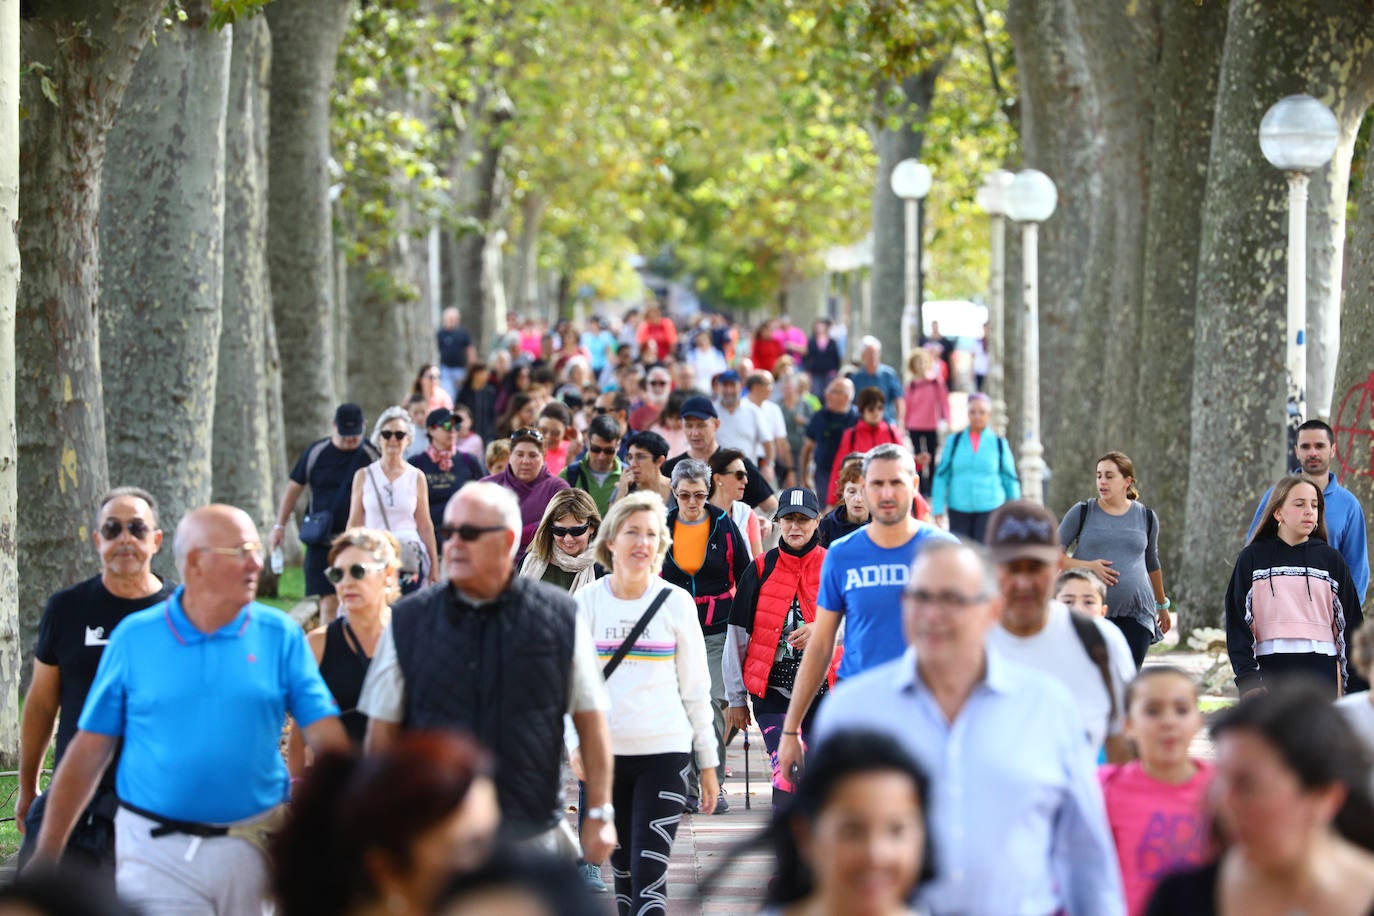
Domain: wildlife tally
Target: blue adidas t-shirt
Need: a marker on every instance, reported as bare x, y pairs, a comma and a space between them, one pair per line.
864, 582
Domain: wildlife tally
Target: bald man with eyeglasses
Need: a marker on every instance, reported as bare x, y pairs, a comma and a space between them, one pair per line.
193, 692
499, 657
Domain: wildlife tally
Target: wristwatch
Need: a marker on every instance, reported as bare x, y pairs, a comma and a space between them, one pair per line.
605, 813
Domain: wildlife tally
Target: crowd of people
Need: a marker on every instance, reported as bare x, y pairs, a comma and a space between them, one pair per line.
616, 548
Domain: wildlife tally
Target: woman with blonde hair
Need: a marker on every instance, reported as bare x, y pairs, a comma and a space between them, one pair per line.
660, 688
927, 410
559, 553
391, 494
363, 566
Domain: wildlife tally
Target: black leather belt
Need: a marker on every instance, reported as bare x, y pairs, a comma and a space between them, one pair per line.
167, 825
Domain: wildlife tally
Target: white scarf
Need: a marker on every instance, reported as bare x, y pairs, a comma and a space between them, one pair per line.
584, 565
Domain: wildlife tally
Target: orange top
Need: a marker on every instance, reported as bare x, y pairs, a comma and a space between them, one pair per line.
689, 544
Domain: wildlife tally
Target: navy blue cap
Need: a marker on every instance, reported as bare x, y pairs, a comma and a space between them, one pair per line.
699, 407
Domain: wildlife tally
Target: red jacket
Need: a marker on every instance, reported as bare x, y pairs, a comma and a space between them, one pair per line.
790, 576
860, 438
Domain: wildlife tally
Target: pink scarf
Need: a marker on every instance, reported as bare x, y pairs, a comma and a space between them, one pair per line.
443, 460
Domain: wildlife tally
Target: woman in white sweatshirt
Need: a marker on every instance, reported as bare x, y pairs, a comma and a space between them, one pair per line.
660, 696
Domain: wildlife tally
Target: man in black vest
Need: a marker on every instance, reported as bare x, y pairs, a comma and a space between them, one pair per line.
499, 657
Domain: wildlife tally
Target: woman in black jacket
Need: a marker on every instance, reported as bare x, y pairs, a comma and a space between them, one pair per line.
707, 558
478, 394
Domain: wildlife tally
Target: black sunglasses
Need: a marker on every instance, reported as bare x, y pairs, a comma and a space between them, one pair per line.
393, 434
738, 475
335, 574
601, 449
601, 411
577, 532
533, 435
468, 533
113, 528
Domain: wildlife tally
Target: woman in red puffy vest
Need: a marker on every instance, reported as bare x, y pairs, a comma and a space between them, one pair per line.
770, 624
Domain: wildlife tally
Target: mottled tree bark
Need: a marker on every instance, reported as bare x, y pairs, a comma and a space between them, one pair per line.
522, 287
889, 211
162, 247
88, 51
1185, 97
1059, 134
305, 43
1353, 408
1239, 384
242, 439
481, 195
10, 653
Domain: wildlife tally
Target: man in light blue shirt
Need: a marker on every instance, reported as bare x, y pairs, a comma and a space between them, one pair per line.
1018, 824
198, 688
874, 373
1344, 516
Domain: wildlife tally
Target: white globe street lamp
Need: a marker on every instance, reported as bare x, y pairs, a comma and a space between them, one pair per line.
992, 198
911, 181
1031, 198
1298, 135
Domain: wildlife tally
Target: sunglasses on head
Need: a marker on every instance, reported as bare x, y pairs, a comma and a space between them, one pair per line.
533, 435
468, 533
575, 532
335, 574
112, 528
601, 449
738, 475
393, 434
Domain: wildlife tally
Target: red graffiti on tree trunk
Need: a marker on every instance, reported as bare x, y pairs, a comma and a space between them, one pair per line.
1354, 428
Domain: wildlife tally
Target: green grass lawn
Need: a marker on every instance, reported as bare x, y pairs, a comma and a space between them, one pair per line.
290, 589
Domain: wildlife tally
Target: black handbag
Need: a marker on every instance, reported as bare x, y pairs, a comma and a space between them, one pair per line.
317, 528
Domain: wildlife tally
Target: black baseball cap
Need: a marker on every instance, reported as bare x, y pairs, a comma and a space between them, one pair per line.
798, 501
437, 417
348, 420
699, 407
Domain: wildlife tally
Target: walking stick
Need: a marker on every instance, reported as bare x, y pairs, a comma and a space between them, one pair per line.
746, 768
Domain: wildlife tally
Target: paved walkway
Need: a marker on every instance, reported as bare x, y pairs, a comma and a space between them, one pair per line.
705, 843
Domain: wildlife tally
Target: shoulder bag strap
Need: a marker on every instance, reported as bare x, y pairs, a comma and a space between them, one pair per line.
635, 633
1082, 520
367, 472
1095, 644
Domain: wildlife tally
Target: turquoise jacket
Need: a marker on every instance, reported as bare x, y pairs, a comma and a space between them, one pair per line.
969, 481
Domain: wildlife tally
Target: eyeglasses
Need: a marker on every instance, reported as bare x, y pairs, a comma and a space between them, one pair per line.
393, 434
945, 601
246, 550
636, 457
577, 532
741, 476
601, 411
601, 449
335, 574
532, 435
112, 528
468, 533
689, 497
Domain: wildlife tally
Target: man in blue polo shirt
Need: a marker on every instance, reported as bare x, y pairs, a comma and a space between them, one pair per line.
198, 688
862, 579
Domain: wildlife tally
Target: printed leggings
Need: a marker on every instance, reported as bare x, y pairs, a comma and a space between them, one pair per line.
649, 792
770, 712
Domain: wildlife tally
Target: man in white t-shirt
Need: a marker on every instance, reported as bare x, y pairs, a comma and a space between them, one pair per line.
759, 388
741, 424
1043, 634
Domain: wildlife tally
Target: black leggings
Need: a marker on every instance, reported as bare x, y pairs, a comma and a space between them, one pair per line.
1138, 637
648, 793
925, 440
972, 525
1321, 671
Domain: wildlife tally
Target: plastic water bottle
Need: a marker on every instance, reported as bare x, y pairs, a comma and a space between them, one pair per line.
278, 561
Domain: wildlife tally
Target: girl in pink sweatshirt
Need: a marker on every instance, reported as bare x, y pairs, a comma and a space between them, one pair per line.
1155, 805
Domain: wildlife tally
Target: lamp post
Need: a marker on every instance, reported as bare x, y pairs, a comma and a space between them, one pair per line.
1030, 200
1298, 135
992, 197
911, 180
